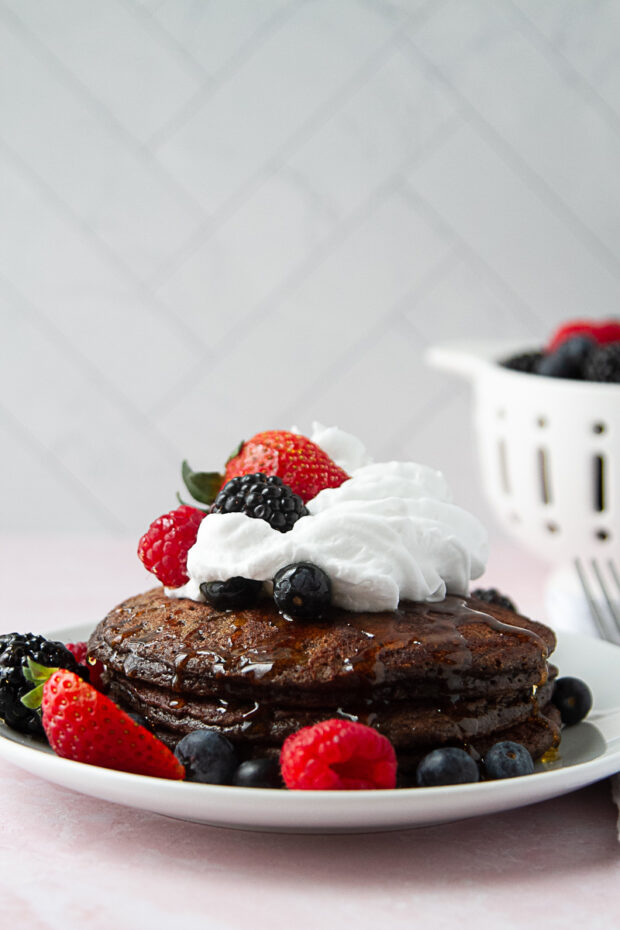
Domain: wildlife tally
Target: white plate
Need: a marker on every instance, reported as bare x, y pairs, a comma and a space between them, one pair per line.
589, 752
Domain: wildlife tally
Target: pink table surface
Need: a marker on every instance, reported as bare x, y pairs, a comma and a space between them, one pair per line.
71, 861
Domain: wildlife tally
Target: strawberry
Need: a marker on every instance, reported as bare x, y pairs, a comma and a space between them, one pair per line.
298, 461
163, 548
601, 331
84, 725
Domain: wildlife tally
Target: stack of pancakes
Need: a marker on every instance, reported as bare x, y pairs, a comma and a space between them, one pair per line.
459, 672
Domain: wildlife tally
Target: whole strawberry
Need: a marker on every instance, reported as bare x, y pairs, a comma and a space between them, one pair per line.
601, 332
163, 548
299, 462
84, 725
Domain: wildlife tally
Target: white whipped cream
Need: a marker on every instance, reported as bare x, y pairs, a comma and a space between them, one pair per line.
389, 533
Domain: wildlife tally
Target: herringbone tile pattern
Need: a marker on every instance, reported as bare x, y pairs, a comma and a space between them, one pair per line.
225, 216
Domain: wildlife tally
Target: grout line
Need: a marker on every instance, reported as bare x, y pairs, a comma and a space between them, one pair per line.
325, 249
442, 396
76, 87
504, 150
303, 134
140, 421
51, 463
150, 300
149, 22
354, 349
219, 77
514, 302
564, 66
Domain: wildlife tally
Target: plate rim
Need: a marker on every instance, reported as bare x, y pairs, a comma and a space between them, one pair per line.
275, 809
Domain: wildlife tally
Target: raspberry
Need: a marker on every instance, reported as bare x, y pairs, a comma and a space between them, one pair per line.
602, 331
338, 755
95, 668
163, 548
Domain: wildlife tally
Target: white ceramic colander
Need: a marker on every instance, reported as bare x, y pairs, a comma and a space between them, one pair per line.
549, 451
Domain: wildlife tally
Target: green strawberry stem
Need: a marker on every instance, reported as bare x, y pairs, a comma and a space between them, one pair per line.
202, 485
235, 452
36, 674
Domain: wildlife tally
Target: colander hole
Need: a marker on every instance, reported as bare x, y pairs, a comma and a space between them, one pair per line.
503, 466
603, 535
599, 483
544, 476
599, 428
542, 422
553, 528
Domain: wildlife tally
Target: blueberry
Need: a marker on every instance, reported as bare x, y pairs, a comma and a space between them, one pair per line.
446, 766
568, 360
233, 594
207, 756
507, 760
573, 699
258, 773
302, 590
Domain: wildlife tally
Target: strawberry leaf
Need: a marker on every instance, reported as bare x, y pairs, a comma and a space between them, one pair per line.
36, 673
235, 452
32, 700
202, 485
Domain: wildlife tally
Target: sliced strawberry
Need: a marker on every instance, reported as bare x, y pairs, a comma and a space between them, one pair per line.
84, 725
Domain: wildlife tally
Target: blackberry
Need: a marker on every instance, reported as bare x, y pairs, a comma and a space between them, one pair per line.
263, 497
493, 596
525, 361
15, 649
603, 364
302, 590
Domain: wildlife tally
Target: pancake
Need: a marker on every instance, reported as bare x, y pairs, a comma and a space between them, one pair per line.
457, 672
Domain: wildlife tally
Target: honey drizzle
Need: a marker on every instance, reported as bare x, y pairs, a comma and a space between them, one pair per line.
437, 632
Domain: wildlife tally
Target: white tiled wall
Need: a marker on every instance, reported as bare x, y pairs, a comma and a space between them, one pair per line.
229, 215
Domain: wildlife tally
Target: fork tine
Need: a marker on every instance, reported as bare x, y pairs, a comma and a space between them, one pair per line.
614, 574
597, 614
614, 609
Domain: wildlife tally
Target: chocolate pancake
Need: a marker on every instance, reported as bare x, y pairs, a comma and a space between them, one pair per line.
457, 672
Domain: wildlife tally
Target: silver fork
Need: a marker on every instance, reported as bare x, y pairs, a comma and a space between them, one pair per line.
605, 578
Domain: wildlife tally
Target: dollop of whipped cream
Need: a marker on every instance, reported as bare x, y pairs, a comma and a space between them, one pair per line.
389, 533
